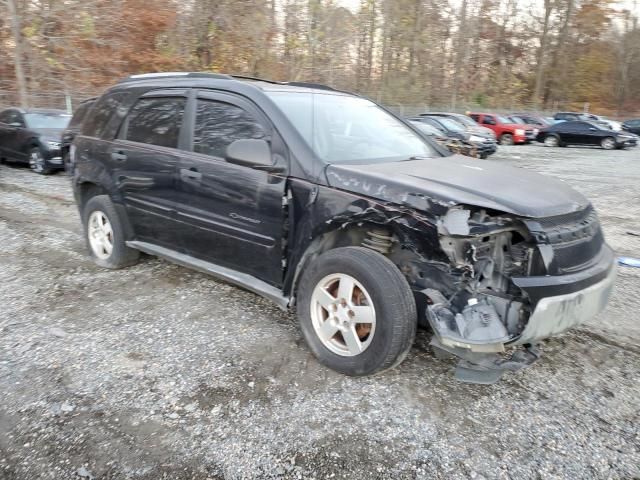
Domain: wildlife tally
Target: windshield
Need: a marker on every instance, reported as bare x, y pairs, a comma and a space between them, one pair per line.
517, 120
596, 125
426, 128
463, 119
47, 120
346, 129
451, 124
502, 119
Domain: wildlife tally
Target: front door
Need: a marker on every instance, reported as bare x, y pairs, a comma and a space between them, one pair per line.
232, 215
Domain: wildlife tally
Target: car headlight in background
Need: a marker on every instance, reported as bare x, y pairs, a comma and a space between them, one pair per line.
53, 145
475, 138
519, 131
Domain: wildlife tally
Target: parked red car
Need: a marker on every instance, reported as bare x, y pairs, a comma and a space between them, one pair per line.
507, 132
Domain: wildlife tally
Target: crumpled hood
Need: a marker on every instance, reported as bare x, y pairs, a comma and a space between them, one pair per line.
459, 180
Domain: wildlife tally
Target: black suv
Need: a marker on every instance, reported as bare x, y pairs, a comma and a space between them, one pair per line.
32, 136
325, 201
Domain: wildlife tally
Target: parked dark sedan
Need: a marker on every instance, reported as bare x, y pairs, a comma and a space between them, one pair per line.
632, 126
73, 129
452, 129
33, 136
585, 133
469, 124
453, 144
531, 119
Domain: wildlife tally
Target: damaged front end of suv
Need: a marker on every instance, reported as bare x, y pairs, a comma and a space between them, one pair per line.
486, 278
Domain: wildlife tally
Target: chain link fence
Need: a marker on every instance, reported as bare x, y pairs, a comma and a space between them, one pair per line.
68, 101
54, 100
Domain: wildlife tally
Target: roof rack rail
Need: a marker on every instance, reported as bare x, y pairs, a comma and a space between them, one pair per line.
144, 76
222, 76
318, 86
257, 79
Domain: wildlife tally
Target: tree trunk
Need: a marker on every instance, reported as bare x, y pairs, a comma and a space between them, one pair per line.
457, 73
537, 92
17, 38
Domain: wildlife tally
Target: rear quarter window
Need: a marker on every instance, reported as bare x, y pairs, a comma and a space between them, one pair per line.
106, 115
80, 114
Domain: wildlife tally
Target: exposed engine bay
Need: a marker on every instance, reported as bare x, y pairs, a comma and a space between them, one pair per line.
485, 310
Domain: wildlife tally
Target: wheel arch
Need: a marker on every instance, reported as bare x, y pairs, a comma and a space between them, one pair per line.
85, 190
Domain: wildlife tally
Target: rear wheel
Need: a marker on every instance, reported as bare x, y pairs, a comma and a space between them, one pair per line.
608, 143
506, 139
105, 234
551, 141
356, 311
37, 162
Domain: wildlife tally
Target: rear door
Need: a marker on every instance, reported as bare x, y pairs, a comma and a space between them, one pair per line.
232, 215
144, 160
585, 134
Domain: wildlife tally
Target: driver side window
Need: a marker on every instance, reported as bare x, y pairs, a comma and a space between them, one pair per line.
219, 124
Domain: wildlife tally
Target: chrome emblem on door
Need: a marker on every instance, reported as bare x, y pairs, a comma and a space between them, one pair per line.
247, 219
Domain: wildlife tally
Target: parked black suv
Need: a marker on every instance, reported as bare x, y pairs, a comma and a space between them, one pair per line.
323, 200
33, 136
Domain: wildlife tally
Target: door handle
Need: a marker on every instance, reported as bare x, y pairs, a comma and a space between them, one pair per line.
191, 173
118, 156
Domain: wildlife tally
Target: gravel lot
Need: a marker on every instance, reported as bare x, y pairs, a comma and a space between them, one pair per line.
158, 372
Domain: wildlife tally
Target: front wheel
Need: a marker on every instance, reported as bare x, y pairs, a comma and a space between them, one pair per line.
506, 139
356, 311
37, 162
608, 143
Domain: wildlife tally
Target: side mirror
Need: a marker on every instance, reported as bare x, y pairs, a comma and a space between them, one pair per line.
252, 153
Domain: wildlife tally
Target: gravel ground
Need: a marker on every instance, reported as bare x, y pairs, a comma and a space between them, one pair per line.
158, 372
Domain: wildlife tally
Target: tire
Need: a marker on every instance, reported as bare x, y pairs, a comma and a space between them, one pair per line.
551, 141
37, 162
608, 143
506, 139
106, 250
380, 292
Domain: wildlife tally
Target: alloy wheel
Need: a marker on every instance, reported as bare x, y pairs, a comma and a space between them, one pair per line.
608, 143
36, 160
343, 315
506, 139
100, 235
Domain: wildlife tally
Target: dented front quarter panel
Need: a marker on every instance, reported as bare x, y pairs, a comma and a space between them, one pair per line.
315, 210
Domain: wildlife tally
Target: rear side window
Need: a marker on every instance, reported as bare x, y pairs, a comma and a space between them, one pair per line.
104, 119
218, 124
5, 116
156, 121
79, 114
